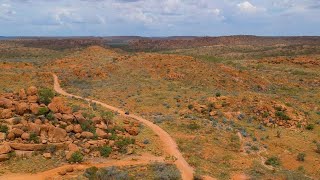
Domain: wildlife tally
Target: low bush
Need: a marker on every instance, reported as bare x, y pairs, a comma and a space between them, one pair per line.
310, 127
273, 161
111, 173
76, 157
318, 148
282, 115
301, 156
34, 138
43, 111
164, 171
105, 151
193, 126
90, 173
123, 143
50, 116
45, 96
88, 126
4, 128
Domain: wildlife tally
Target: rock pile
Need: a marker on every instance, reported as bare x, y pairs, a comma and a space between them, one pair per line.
28, 125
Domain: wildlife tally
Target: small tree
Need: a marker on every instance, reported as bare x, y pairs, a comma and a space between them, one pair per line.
301, 156
76, 157
105, 151
45, 95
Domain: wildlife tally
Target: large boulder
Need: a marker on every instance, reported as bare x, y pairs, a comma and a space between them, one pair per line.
27, 147
25, 136
11, 136
33, 99
22, 94
2, 136
79, 117
70, 128
67, 118
58, 106
6, 114
134, 131
73, 148
35, 128
34, 107
31, 91
5, 103
21, 108
5, 148
56, 134
101, 133
77, 128
17, 132
87, 135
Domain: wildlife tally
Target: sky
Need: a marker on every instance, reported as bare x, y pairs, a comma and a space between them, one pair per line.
159, 17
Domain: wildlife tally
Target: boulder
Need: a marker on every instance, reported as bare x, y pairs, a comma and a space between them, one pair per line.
34, 107
11, 136
79, 117
21, 108
73, 148
58, 116
97, 120
134, 131
47, 155
77, 128
101, 133
33, 99
6, 114
22, 94
35, 128
67, 117
32, 91
87, 135
5, 148
25, 136
4, 157
102, 126
27, 147
57, 134
38, 122
17, 132
5, 103
58, 106
69, 128
2, 136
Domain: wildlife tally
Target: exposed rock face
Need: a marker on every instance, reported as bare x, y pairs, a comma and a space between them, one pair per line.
4, 149
27, 147
56, 134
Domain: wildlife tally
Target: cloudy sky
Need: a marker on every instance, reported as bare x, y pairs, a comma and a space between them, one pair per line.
158, 17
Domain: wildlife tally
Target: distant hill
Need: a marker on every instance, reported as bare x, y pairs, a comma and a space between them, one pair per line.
176, 42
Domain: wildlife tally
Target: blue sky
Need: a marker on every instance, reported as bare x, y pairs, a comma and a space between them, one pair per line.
158, 17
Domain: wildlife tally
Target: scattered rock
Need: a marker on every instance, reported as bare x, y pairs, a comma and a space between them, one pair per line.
32, 91
4, 157
67, 117
2, 136
73, 148
25, 136
101, 133
6, 114
77, 128
11, 136
56, 134
17, 132
32, 99
69, 169
47, 155
22, 94
21, 108
62, 172
34, 107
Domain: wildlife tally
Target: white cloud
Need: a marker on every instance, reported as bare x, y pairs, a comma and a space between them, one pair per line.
6, 11
247, 7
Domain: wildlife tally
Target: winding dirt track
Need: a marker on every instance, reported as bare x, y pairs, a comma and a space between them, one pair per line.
169, 145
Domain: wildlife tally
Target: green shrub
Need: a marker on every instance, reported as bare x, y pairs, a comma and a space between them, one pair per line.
112, 173
107, 116
123, 143
190, 106
16, 120
4, 128
43, 111
310, 127
193, 126
45, 96
318, 148
51, 148
218, 94
50, 116
88, 126
34, 137
282, 115
301, 156
105, 151
273, 161
164, 171
76, 157
90, 173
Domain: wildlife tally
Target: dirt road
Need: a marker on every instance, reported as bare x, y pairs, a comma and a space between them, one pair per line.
169, 145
